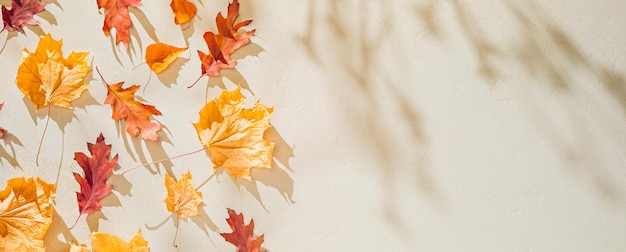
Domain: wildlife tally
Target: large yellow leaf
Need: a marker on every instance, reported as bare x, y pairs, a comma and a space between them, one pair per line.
182, 198
25, 213
234, 135
44, 76
103, 242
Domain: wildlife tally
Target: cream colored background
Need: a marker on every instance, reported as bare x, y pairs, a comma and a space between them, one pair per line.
442, 125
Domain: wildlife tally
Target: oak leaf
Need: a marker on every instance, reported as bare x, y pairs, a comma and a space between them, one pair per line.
103, 242
184, 11
116, 16
25, 213
45, 77
243, 235
2, 131
182, 198
233, 136
159, 56
97, 170
21, 13
225, 42
136, 115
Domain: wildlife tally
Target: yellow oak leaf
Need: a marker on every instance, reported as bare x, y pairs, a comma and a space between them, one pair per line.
233, 136
159, 56
103, 242
45, 77
25, 213
182, 198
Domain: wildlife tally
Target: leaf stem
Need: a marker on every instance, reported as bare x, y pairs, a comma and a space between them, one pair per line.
194, 83
161, 160
78, 218
42, 135
176, 233
138, 66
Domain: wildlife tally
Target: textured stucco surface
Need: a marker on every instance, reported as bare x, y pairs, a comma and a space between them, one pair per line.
441, 125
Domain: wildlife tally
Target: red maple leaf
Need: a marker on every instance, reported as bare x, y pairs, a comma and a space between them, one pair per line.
97, 169
223, 44
116, 16
21, 13
242, 236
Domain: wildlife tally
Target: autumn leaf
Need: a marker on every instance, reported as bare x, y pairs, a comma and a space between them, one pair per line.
182, 198
223, 44
25, 213
21, 13
159, 56
233, 136
183, 10
97, 170
2, 131
45, 77
103, 242
243, 235
116, 16
135, 114
78, 248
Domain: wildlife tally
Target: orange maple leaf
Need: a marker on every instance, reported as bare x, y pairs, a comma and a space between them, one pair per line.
223, 44
159, 56
233, 136
183, 10
2, 131
45, 77
97, 169
25, 213
136, 115
116, 16
243, 235
182, 198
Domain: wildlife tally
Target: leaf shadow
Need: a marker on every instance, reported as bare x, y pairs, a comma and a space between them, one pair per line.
143, 20
120, 184
47, 15
169, 76
251, 49
235, 76
154, 149
57, 228
250, 186
204, 222
93, 220
10, 141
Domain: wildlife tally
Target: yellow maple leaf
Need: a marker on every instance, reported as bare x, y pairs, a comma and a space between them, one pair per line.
44, 76
25, 213
233, 136
159, 56
182, 198
103, 242
78, 248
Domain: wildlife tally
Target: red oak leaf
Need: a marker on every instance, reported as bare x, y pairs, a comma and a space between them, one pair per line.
2, 131
116, 16
97, 170
21, 13
223, 44
242, 236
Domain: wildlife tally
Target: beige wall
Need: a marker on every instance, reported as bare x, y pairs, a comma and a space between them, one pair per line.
442, 125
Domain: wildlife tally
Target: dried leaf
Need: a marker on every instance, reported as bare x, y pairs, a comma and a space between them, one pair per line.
184, 11
25, 213
234, 135
97, 169
223, 44
136, 115
2, 131
159, 56
116, 16
182, 198
44, 76
243, 235
21, 13
78, 248
103, 242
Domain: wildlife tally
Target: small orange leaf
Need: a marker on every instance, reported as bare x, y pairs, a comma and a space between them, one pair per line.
234, 135
183, 10
25, 213
136, 115
182, 198
103, 242
116, 16
159, 56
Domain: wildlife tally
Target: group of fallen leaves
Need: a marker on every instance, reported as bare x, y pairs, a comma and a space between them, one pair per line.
232, 136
